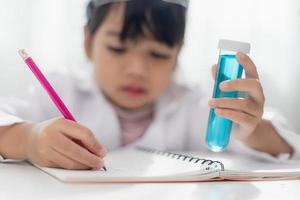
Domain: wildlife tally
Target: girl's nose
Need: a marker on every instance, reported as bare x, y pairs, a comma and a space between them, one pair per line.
137, 67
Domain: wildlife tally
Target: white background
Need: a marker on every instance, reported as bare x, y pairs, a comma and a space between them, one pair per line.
51, 30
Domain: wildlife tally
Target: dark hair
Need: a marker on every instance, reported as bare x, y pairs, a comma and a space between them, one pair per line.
166, 22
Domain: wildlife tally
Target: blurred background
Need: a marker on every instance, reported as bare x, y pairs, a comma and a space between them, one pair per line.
52, 31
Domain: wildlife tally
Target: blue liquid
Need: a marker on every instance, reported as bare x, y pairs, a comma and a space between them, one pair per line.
218, 129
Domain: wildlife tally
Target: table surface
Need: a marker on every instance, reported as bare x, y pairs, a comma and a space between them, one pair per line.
23, 181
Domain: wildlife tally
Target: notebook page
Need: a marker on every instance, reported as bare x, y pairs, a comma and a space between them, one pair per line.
134, 165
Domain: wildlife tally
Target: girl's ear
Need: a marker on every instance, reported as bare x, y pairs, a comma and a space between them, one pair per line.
87, 43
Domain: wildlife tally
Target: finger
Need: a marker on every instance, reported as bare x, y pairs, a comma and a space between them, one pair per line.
84, 135
69, 148
238, 117
64, 162
248, 65
251, 86
214, 71
239, 104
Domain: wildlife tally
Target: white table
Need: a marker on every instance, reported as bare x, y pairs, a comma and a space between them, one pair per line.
23, 181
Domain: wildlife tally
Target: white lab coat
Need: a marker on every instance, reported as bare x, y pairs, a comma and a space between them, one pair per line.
179, 123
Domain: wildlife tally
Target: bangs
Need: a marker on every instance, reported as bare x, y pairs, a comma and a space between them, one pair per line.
153, 19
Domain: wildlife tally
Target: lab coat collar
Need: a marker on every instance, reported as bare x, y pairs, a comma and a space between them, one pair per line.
165, 105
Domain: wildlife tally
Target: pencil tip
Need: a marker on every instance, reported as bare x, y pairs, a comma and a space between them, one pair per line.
104, 168
23, 53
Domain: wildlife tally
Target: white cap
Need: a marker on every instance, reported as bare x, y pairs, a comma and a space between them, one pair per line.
236, 46
184, 3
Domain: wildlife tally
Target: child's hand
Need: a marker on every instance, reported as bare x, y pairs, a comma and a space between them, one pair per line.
51, 144
246, 112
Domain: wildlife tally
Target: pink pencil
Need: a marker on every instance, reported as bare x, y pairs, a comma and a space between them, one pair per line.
46, 85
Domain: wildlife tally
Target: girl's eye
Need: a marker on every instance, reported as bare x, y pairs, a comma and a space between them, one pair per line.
160, 56
117, 50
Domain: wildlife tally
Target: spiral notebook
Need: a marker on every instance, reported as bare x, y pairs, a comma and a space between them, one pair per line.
147, 165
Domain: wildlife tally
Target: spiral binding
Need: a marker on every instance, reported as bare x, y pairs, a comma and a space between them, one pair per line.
183, 157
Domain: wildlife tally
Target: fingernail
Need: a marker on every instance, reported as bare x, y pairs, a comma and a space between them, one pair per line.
100, 164
212, 102
99, 150
103, 152
217, 111
224, 85
97, 168
240, 55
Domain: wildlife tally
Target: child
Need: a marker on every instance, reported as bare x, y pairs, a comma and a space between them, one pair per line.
131, 99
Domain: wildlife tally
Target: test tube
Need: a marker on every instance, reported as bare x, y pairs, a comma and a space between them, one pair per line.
219, 128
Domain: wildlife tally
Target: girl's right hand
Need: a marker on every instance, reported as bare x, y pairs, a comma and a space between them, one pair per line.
52, 144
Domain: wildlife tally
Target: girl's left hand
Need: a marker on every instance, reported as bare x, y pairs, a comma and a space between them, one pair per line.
246, 112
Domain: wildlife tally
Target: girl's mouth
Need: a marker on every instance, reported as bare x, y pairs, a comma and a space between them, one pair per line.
133, 91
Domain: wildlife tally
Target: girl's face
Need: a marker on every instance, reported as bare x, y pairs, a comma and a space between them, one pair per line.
134, 73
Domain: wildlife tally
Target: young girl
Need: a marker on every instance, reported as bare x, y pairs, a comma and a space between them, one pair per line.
132, 99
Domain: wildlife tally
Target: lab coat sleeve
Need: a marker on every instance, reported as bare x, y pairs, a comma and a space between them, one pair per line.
34, 106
